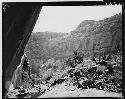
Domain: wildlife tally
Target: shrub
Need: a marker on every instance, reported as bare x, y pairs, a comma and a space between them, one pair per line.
47, 74
58, 81
74, 60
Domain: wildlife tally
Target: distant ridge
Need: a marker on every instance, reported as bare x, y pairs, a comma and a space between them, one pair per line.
90, 37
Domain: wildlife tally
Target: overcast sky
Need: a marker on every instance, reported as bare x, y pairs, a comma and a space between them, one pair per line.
67, 18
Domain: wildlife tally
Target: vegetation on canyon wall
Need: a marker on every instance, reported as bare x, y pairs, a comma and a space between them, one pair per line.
88, 57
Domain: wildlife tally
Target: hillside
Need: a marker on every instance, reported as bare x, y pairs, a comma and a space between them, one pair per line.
37, 44
38, 50
80, 78
105, 35
90, 37
87, 62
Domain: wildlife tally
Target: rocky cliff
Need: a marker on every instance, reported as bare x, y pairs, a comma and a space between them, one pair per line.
90, 37
100, 36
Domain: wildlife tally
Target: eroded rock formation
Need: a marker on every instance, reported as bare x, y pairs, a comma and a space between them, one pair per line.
21, 73
90, 37
18, 22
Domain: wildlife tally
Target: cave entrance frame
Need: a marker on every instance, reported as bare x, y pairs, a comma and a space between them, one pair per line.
18, 20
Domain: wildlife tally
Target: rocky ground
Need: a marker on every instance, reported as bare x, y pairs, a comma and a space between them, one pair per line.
83, 78
64, 90
61, 90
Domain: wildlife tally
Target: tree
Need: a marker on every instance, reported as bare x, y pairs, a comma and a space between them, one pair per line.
109, 57
104, 57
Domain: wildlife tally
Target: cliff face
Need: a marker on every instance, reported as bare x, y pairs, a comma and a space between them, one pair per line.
18, 22
100, 36
89, 37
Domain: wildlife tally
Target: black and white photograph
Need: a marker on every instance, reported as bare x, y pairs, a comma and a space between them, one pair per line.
52, 51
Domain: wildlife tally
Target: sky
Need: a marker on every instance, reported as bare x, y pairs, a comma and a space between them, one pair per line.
67, 18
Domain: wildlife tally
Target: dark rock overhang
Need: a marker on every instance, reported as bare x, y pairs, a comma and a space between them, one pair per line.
18, 22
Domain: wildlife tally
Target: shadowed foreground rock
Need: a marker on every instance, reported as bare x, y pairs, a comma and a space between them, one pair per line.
18, 22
